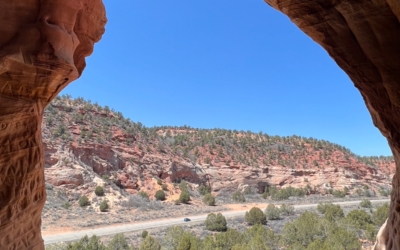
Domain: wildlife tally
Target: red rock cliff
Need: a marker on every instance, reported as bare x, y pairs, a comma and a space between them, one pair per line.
363, 37
43, 45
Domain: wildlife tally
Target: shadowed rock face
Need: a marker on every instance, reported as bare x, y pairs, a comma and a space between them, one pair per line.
363, 37
43, 45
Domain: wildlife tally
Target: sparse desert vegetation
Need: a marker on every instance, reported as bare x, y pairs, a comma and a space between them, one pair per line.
328, 227
110, 170
105, 144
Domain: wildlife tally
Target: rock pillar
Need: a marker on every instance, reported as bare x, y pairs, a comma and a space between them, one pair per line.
363, 37
43, 45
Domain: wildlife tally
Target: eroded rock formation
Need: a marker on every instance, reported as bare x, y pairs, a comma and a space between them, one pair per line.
84, 142
43, 45
363, 37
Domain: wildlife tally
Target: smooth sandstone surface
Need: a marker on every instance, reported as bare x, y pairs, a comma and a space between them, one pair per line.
363, 37
43, 45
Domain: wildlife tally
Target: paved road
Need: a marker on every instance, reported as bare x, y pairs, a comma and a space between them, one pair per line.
145, 225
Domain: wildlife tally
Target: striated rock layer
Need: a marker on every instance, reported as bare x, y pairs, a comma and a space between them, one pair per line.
43, 45
84, 142
363, 37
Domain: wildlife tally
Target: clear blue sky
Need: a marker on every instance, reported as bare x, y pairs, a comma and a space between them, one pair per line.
227, 64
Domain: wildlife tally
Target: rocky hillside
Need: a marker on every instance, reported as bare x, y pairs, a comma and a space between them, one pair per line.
86, 144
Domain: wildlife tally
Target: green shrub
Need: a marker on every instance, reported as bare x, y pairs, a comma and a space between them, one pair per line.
280, 195
338, 193
60, 130
66, 205
321, 207
209, 199
216, 222
255, 216
312, 232
333, 212
173, 237
247, 190
150, 243
203, 189
164, 187
159, 182
183, 186
209, 242
264, 195
103, 206
227, 240
317, 245
256, 242
365, 203
238, 196
260, 237
184, 244
340, 238
269, 191
118, 242
99, 191
298, 192
286, 209
160, 195
302, 231
359, 218
144, 195
381, 214
385, 192
84, 201
184, 197
287, 192
144, 234
272, 212
370, 232
86, 243
369, 193
189, 241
